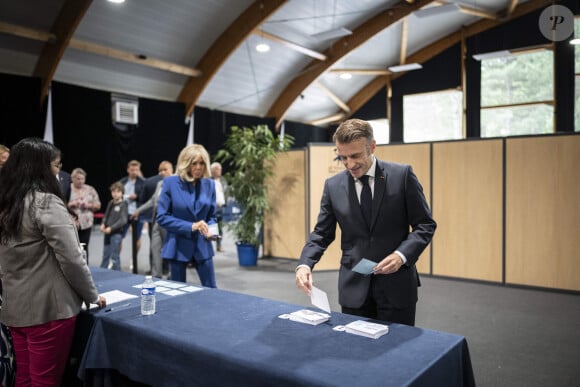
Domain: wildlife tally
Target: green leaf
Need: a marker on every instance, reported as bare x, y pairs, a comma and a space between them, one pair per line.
250, 152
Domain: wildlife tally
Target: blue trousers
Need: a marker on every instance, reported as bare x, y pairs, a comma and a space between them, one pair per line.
204, 269
112, 251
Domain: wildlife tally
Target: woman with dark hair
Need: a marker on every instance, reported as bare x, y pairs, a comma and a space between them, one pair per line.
44, 276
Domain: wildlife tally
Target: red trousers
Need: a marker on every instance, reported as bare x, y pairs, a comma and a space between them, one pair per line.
41, 352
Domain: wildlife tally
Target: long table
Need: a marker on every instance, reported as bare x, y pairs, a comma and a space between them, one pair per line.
214, 337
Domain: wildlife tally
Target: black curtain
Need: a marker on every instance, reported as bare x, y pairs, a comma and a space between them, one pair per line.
20, 112
375, 108
212, 127
304, 134
85, 133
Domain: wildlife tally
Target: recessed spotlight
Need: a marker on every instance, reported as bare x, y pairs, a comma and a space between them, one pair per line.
116, 1
345, 76
575, 41
262, 47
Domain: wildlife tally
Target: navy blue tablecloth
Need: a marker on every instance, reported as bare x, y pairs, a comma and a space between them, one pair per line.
215, 337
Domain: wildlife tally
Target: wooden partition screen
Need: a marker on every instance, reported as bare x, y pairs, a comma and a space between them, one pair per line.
468, 208
512, 220
322, 165
285, 224
419, 157
543, 212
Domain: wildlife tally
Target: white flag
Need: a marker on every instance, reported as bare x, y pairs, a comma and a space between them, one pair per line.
190, 136
48, 134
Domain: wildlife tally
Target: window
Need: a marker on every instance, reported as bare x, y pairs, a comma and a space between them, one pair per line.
433, 116
381, 130
517, 94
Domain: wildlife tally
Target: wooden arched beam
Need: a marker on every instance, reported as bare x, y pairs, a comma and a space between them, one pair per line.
224, 46
63, 29
373, 87
338, 50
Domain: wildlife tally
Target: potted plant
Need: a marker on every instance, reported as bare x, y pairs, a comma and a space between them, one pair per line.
249, 153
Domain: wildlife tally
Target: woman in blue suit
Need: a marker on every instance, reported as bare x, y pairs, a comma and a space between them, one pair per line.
186, 208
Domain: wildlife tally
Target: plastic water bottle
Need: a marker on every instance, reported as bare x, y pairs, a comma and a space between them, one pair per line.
148, 296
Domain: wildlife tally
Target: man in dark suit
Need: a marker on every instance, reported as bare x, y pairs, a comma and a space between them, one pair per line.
147, 211
395, 202
62, 176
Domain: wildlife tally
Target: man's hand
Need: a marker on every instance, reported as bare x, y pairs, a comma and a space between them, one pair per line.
391, 264
304, 279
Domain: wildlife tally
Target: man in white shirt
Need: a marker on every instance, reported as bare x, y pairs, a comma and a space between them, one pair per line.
220, 198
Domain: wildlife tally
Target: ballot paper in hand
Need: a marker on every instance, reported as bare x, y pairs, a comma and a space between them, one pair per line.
367, 329
319, 299
365, 266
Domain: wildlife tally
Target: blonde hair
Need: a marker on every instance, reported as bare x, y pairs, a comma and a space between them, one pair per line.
78, 171
187, 156
4, 148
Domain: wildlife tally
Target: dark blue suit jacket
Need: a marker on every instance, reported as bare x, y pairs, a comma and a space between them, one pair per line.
65, 182
398, 203
177, 210
149, 187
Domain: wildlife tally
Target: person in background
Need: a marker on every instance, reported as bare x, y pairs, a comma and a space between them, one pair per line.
133, 183
157, 232
186, 208
7, 362
63, 177
84, 201
112, 226
4, 154
220, 199
44, 276
146, 214
380, 234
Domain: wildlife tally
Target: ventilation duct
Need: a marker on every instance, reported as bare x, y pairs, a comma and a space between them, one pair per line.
125, 110
126, 113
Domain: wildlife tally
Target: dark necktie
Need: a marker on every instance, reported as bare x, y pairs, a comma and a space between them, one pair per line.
366, 199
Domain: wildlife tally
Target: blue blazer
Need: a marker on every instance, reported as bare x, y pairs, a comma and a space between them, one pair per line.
177, 210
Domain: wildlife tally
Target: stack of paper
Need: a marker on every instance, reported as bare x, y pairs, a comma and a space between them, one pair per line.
367, 329
309, 317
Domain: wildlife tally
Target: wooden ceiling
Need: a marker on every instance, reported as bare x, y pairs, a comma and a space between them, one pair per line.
202, 53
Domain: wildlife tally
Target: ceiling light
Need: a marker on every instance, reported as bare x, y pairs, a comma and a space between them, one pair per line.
345, 76
436, 10
116, 1
332, 34
492, 55
575, 41
405, 67
262, 47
